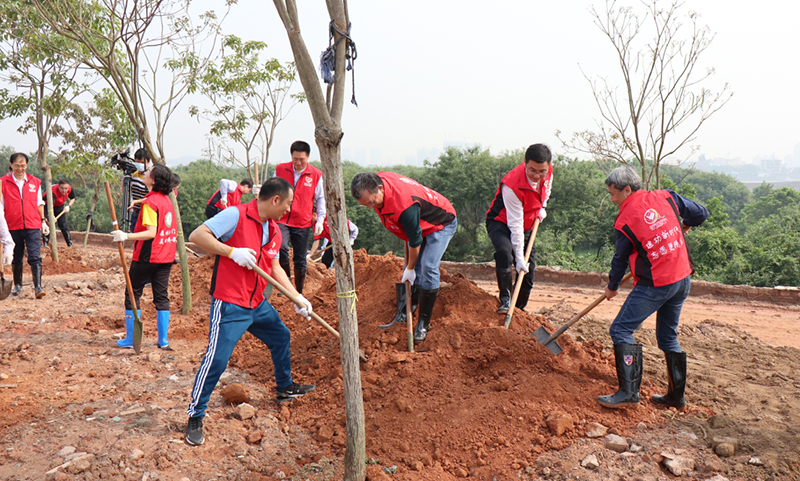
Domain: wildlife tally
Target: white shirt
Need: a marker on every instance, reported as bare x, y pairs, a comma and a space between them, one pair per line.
515, 215
21, 183
5, 235
226, 187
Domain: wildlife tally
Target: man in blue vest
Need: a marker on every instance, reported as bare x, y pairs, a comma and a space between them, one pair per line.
243, 237
650, 239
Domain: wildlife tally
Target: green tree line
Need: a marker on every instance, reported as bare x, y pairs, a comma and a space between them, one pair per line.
749, 238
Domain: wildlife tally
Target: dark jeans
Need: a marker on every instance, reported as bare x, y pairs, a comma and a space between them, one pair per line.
666, 301
30, 238
134, 219
62, 222
211, 211
299, 239
500, 235
158, 276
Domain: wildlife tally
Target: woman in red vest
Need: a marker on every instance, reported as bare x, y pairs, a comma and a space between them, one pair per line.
650, 240
156, 236
423, 218
519, 201
63, 198
24, 213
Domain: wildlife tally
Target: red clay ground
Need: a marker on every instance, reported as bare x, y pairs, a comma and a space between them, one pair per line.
476, 403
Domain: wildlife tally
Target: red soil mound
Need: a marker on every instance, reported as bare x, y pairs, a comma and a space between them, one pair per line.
480, 393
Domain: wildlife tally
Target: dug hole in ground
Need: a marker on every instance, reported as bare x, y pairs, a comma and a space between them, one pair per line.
482, 402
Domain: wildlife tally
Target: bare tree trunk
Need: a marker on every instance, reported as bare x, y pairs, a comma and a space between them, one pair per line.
48, 184
184, 260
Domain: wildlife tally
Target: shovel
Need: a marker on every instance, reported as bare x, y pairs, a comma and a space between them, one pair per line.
409, 318
137, 322
518, 285
5, 287
320, 252
313, 314
550, 342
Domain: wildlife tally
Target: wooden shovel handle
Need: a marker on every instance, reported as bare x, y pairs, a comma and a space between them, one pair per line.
518, 285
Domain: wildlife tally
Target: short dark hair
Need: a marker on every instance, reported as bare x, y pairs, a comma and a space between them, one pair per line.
538, 153
15, 155
176, 180
365, 182
274, 186
300, 146
247, 183
162, 178
63, 182
142, 154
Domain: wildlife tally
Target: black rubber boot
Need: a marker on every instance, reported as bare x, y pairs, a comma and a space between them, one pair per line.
287, 267
67, 237
400, 292
17, 270
299, 279
505, 284
36, 272
524, 290
676, 376
427, 299
629, 372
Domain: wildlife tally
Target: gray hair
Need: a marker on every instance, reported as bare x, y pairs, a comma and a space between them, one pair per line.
624, 176
365, 182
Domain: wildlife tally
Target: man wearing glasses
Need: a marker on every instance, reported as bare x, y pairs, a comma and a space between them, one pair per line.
519, 201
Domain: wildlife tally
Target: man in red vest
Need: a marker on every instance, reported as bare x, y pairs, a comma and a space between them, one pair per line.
295, 224
63, 198
423, 218
519, 201
229, 195
241, 238
24, 213
650, 238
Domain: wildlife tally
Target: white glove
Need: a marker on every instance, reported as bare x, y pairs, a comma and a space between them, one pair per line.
542, 214
303, 311
317, 229
521, 264
119, 236
243, 256
409, 275
66, 208
45, 228
8, 255
256, 190
352, 241
224, 201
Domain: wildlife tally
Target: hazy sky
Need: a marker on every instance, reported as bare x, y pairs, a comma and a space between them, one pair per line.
507, 74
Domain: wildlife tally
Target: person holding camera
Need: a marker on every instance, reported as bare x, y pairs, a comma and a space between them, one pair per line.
63, 198
24, 214
156, 236
138, 187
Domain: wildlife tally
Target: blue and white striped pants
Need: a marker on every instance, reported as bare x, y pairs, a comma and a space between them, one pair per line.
228, 324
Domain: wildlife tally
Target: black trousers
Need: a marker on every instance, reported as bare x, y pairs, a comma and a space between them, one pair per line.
211, 211
30, 239
158, 276
500, 235
299, 238
62, 221
327, 258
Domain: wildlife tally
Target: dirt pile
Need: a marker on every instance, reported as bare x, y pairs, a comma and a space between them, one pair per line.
479, 393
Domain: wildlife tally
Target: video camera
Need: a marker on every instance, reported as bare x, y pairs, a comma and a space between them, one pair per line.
122, 161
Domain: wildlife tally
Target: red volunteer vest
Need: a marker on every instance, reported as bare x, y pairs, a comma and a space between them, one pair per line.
238, 285
303, 202
326, 231
650, 220
22, 212
531, 200
234, 198
58, 199
161, 248
399, 193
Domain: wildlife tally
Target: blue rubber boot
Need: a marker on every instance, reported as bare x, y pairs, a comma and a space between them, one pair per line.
162, 323
127, 343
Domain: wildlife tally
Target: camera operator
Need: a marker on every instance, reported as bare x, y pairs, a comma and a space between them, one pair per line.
138, 187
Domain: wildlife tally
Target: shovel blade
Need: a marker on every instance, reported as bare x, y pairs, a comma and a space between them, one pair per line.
543, 336
137, 334
5, 288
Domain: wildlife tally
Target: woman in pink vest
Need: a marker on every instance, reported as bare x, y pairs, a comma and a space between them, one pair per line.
650, 240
